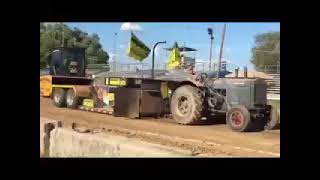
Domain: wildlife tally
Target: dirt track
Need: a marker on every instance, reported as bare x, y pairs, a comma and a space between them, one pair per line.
212, 139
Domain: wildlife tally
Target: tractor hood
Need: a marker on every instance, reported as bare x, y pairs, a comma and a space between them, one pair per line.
162, 75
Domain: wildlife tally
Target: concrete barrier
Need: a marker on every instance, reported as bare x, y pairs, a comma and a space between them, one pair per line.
46, 126
58, 141
68, 143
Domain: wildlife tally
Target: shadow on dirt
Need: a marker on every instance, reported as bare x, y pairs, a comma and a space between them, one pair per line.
213, 120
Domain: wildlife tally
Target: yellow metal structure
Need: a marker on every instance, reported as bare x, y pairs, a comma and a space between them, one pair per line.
110, 97
62, 86
45, 85
88, 103
164, 90
115, 81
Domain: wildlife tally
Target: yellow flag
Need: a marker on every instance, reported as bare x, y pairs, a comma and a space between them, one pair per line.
174, 59
137, 49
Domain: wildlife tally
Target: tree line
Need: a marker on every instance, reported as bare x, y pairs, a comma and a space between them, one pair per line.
56, 35
266, 51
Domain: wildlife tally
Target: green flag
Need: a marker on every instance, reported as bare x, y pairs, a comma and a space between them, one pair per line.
137, 49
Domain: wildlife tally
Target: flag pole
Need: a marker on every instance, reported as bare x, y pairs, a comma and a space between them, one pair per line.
115, 52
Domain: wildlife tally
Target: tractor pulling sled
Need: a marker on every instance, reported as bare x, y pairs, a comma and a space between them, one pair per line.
188, 97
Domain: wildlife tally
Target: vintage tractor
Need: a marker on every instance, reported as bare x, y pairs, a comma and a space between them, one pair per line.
192, 96
242, 100
186, 95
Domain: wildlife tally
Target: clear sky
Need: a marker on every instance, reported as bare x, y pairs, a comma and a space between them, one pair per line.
239, 39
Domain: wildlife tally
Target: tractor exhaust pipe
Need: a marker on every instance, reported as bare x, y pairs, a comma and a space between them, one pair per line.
245, 72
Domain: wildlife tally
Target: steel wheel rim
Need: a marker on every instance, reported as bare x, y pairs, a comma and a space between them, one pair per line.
183, 105
237, 118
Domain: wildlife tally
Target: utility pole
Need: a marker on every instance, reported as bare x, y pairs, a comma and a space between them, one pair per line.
221, 50
211, 41
115, 51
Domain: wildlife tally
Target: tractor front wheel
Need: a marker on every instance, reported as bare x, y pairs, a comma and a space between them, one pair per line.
238, 119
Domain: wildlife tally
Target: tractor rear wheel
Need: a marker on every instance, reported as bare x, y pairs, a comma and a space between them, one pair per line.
72, 100
59, 97
238, 119
186, 105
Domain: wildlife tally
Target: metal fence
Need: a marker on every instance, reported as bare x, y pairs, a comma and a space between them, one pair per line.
131, 67
269, 69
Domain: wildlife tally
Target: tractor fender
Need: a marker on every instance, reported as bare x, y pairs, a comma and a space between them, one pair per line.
174, 85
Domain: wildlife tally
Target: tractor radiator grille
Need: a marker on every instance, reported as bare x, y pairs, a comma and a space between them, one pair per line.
260, 94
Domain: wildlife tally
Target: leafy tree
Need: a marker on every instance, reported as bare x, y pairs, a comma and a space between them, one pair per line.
51, 37
266, 50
